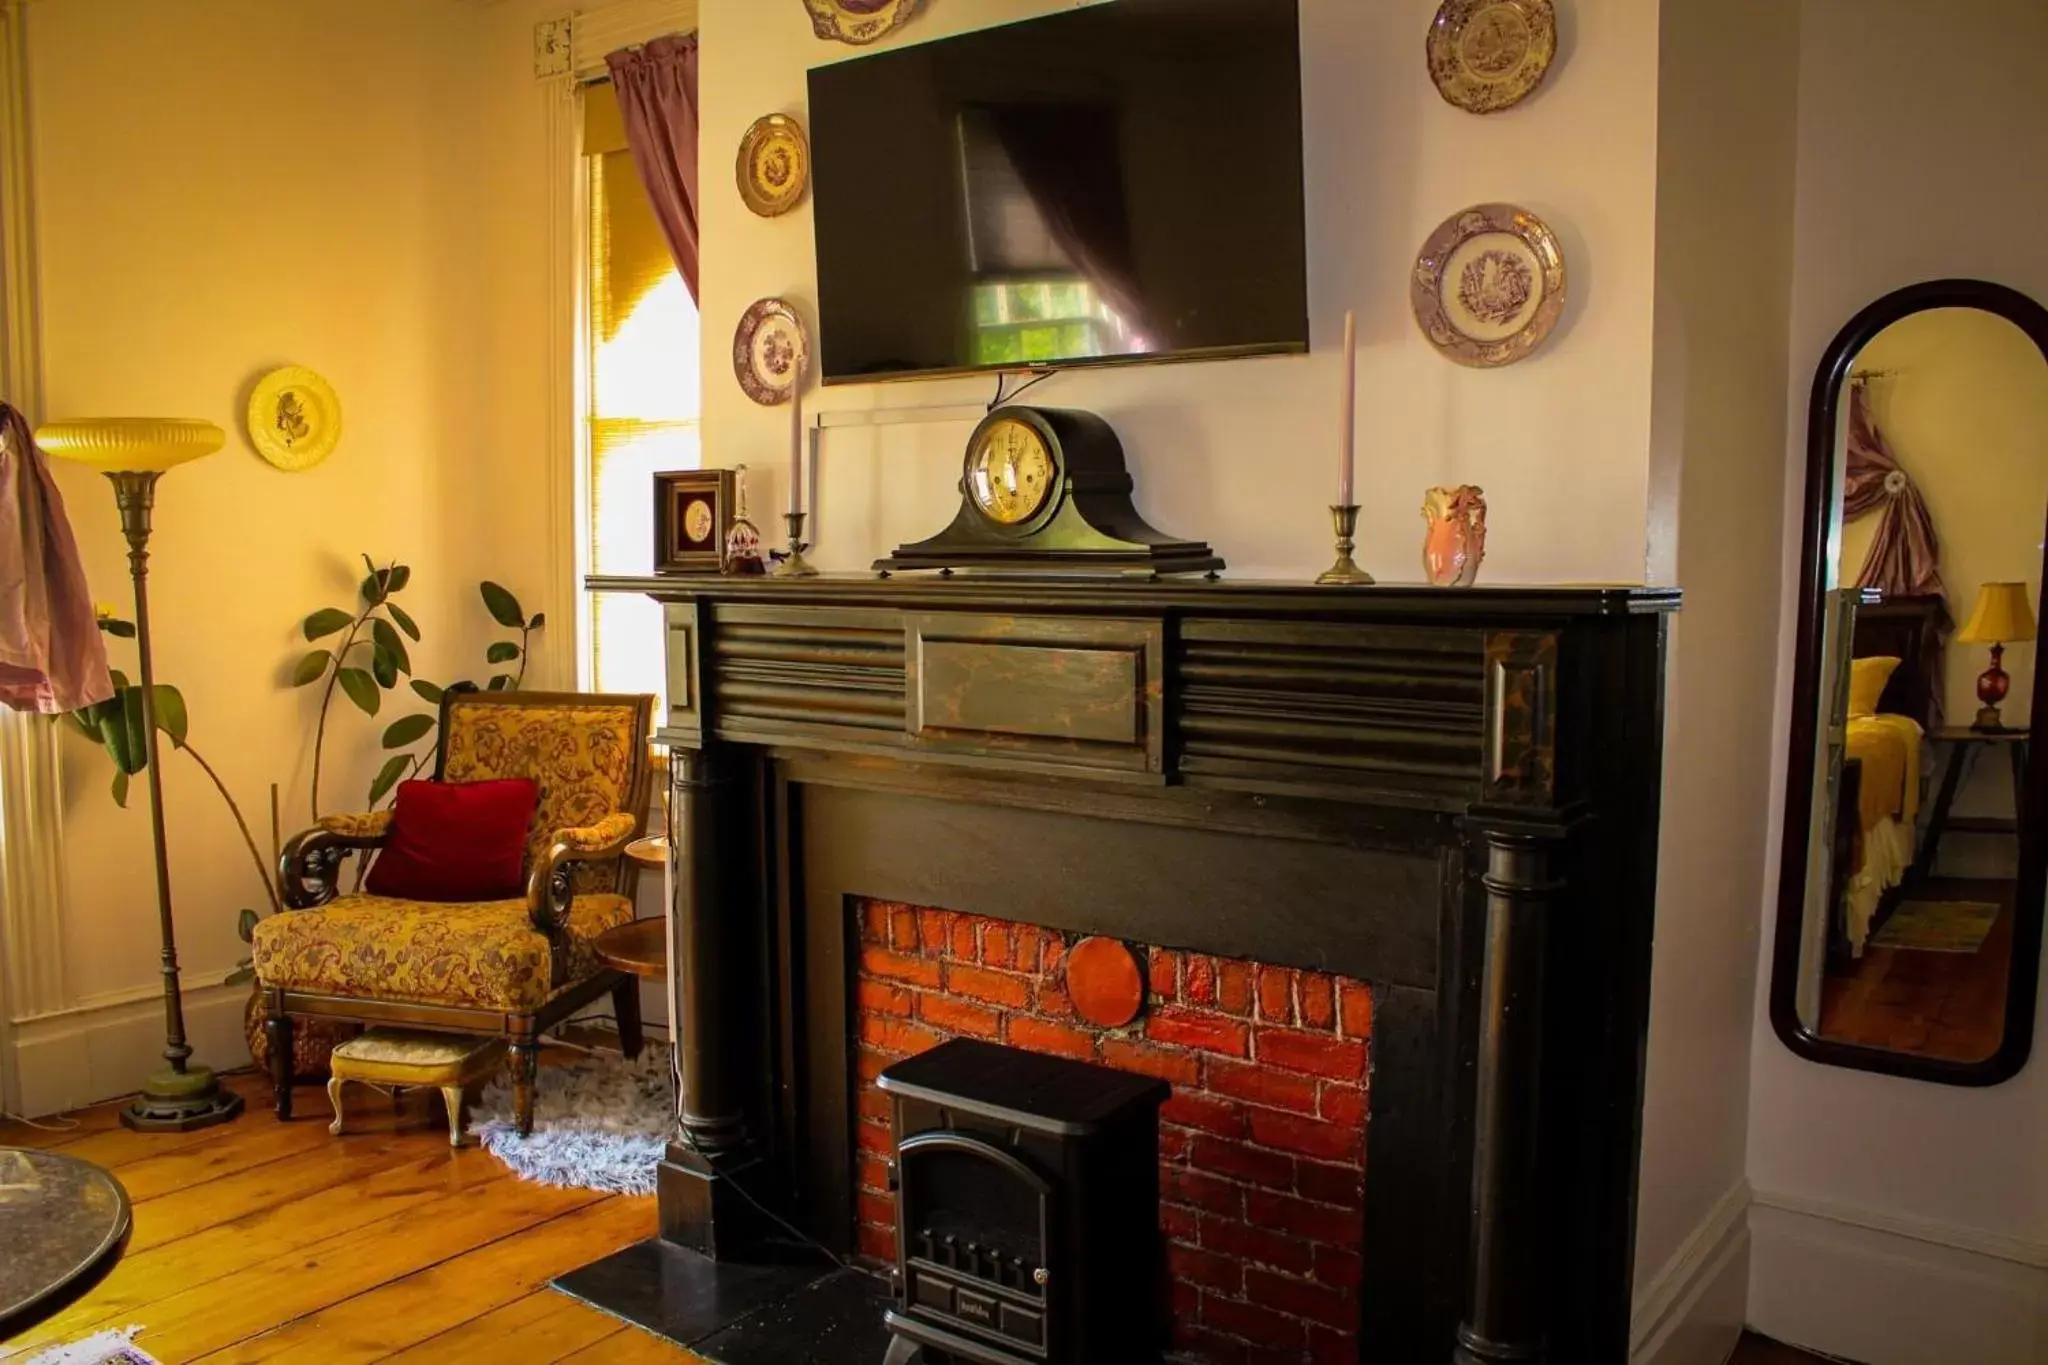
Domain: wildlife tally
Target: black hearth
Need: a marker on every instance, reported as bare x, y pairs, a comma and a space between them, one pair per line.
1027, 1192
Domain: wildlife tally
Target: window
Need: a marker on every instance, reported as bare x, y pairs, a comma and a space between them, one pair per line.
643, 393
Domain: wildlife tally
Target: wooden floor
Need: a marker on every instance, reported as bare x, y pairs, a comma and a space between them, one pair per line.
1756, 1350
1947, 1005
266, 1241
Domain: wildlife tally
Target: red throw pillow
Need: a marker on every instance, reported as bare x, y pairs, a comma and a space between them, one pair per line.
457, 841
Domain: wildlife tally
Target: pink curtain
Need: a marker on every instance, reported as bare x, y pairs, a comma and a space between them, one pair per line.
1905, 556
51, 656
657, 90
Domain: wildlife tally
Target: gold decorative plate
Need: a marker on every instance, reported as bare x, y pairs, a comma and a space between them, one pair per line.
294, 418
1489, 285
774, 165
765, 351
859, 21
1490, 55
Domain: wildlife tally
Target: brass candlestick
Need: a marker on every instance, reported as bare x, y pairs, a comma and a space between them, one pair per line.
1345, 572
793, 563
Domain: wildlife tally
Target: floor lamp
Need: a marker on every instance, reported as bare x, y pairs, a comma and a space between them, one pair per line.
134, 452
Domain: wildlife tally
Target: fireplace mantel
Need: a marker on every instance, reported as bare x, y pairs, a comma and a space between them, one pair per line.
1452, 795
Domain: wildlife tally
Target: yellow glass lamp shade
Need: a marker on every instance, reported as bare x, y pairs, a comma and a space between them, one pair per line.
131, 444
2001, 616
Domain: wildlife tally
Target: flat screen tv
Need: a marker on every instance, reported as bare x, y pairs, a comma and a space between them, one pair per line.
1111, 184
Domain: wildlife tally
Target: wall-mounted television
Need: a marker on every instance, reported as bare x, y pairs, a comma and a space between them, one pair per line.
1111, 184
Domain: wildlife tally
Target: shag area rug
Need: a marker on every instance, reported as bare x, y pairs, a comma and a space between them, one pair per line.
106, 1348
600, 1123
1938, 926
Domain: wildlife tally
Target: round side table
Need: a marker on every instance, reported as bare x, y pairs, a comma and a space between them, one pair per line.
64, 1223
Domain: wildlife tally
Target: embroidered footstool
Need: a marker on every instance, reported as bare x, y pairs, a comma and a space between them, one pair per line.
406, 1058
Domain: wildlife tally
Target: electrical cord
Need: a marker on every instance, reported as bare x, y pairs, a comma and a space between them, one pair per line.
1012, 396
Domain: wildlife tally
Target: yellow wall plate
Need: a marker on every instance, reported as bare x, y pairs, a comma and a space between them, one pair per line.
294, 418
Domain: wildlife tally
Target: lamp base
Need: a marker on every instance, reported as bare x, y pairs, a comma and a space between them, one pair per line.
180, 1101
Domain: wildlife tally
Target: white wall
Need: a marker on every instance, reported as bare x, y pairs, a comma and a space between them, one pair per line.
1724, 220
223, 186
1902, 1223
1243, 453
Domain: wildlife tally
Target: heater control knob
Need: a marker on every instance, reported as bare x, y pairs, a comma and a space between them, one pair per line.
1039, 1276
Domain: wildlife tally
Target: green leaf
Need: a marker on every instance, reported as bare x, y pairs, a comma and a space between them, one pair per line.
503, 652
501, 682
311, 668
398, 576
245, 925
388, 641
407, 730
502, 605
121, 788
405, 623
116, 627
120, 683
240, 976
372, 588
134, 742
428, 693
388, 775
361, 689
539, 621
170, 713
325, 622
383, 667
370, 564
84, 721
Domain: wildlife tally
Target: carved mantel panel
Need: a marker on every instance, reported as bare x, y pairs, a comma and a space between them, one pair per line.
1449, 794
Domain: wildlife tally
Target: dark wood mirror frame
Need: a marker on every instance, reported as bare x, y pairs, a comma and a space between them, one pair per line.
1830, 387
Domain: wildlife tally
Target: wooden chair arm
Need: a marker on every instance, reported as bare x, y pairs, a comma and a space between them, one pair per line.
551, 887
310, 868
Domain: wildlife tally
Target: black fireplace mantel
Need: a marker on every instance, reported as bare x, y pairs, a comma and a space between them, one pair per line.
1451, 794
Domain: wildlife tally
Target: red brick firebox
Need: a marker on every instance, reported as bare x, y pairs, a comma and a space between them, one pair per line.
1262, 1147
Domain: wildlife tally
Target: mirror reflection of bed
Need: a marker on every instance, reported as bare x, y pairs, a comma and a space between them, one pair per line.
1942, 502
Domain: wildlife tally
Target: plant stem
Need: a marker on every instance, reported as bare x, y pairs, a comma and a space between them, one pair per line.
327, 699
255, 856
525, 653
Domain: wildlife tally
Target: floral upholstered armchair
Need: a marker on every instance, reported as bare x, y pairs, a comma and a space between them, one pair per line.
510, 968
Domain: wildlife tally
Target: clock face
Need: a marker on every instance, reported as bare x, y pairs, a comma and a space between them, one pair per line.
1011, 473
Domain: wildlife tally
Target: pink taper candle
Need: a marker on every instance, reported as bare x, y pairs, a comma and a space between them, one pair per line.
1345, 447
796, 435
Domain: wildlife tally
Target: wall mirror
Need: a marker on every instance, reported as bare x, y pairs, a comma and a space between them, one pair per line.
1916, 812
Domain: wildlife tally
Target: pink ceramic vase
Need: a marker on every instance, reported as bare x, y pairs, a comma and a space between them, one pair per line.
1454, 544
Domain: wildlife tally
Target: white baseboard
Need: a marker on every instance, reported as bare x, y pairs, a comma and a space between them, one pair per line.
103, 1048
1888, 1290
1691, 1311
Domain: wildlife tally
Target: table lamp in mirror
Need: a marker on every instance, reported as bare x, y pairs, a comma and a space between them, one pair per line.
2000, 618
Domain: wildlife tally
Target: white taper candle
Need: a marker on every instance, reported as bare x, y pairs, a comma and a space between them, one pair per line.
796, 435
1349, 436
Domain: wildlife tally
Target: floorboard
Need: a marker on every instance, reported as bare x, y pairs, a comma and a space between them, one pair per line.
1756, 1350
260, 1241
1946, 1005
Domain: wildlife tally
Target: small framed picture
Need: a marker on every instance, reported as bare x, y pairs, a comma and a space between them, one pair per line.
693, 511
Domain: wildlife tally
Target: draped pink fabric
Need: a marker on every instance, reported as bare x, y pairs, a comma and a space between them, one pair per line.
51, 656
657, 90
1905, 556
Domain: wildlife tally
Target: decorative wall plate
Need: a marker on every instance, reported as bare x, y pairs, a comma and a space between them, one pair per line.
774, 165
1489, 285
765, 351
859, 21
1490, 55
294, 418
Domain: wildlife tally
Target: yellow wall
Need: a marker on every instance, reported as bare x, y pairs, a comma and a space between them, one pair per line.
1966, 412
1243, 453
223, 186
